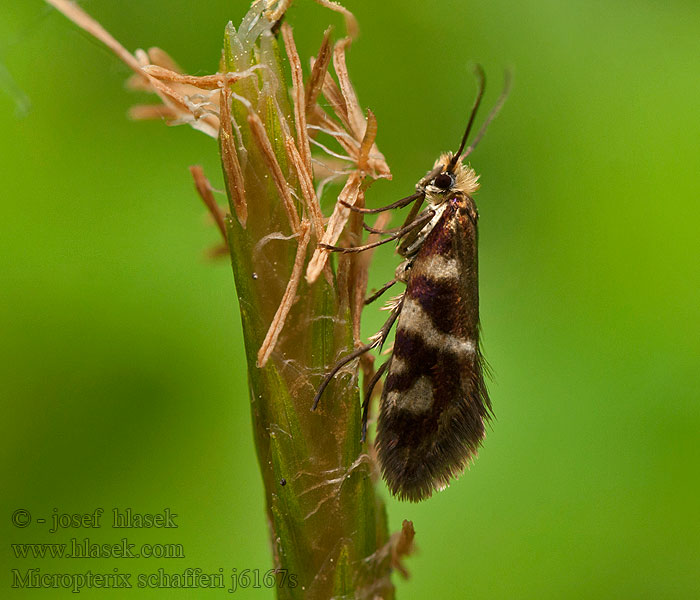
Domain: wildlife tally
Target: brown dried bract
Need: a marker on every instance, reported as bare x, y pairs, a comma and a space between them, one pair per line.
229, 160
367, 141
204, 102
350, 21
308, 193
298, 95
354, 112
336, 223
285, 306
402, 545
186, 98
205, 192
203, 82
318, 71
275, 13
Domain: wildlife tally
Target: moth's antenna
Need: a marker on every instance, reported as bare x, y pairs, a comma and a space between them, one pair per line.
508, 79
481, 86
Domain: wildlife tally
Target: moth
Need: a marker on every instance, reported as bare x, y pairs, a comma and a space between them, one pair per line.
434, 405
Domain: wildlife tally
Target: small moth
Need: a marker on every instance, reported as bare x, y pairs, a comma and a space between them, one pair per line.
434, 404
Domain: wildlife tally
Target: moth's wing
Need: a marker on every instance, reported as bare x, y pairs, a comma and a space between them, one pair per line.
434, 403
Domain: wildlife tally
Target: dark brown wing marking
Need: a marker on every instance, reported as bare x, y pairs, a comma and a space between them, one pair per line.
434, 404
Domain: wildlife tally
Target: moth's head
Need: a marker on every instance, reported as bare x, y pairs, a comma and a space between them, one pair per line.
452, 177
449, 175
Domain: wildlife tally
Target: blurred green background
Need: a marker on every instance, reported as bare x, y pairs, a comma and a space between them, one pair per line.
121, 360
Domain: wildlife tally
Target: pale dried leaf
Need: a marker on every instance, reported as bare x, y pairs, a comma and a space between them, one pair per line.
306, 183
274, 15
367, 141
402, 545
160, 57
205, 192
336, 223
285, 306
230, 162
354, 112
142, 57
319, 70
298, 96
332, 93
350, 21
186, 111
203, 82
334, 129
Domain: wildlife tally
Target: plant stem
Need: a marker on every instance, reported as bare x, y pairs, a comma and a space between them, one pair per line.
327, 526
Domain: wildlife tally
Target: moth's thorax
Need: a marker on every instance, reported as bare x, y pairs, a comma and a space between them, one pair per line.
465, 180
439, 186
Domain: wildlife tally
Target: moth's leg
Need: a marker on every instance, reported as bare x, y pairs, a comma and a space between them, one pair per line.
380, 291
411, 236
368, 396
376, 340
418, 195
380, 231
398, 204
419, 222
415, 209
339, 365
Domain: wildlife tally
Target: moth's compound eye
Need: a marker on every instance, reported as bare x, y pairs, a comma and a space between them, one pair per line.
444, 181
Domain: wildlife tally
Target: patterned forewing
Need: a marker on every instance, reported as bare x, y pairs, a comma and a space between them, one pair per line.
434, 402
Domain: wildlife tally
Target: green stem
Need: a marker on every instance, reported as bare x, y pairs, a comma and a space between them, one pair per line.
327, 525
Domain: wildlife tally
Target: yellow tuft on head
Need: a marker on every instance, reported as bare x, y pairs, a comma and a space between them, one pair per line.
466, 179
